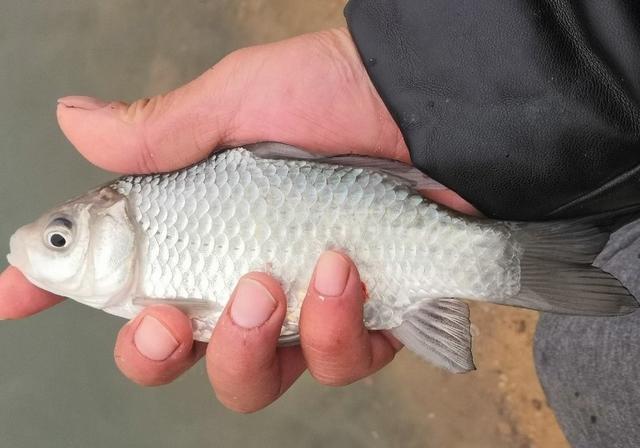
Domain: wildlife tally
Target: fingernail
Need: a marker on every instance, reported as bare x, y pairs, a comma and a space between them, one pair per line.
153, 340
252, 304
82, 102
332, 273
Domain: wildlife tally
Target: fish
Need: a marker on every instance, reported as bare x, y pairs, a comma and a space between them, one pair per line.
185, 238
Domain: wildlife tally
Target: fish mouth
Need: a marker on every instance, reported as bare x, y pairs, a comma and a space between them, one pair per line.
17, 256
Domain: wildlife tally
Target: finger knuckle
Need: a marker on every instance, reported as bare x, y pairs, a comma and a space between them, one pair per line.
326, 346
244, 385
236, 405
334, 377
144, 108
153, 380
148, 377
334, 371
333, 362
221, 369
235, 58
244, 401
140, 113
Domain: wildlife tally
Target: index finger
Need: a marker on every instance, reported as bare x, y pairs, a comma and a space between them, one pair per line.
246, 368
19, 298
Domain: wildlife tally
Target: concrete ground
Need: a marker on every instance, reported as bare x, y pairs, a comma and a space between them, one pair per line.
58, 384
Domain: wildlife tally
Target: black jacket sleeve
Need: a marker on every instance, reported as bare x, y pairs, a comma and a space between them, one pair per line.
529, 109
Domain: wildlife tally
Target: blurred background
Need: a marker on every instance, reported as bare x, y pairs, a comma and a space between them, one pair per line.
58, 384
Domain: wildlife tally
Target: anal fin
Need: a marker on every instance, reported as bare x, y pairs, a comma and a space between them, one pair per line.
439, 333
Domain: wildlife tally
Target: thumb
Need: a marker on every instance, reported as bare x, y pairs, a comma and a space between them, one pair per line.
150, 135
251, 95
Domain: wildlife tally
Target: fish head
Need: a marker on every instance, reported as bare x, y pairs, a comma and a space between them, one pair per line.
83, 249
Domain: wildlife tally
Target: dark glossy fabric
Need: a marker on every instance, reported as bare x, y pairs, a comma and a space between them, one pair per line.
529, 109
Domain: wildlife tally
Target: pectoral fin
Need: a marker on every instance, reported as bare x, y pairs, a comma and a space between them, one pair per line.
289, 340
190, 307
439, 332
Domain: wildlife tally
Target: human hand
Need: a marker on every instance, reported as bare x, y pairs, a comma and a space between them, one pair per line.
311, 91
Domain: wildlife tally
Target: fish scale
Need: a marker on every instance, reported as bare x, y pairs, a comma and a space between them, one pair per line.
236, 213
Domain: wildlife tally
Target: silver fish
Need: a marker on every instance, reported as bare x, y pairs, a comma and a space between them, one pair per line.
185, 238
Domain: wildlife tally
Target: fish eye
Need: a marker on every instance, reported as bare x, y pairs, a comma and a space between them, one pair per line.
57, 240
58, 235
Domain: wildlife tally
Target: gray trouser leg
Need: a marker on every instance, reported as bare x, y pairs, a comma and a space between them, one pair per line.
589, 367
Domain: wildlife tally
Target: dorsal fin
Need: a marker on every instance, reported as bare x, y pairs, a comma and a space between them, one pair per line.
406, 173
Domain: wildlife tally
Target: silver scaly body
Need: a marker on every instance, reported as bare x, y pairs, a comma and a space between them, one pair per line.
185, 238
202, 228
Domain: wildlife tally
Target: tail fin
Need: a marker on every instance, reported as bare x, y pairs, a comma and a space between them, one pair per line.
557, 273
